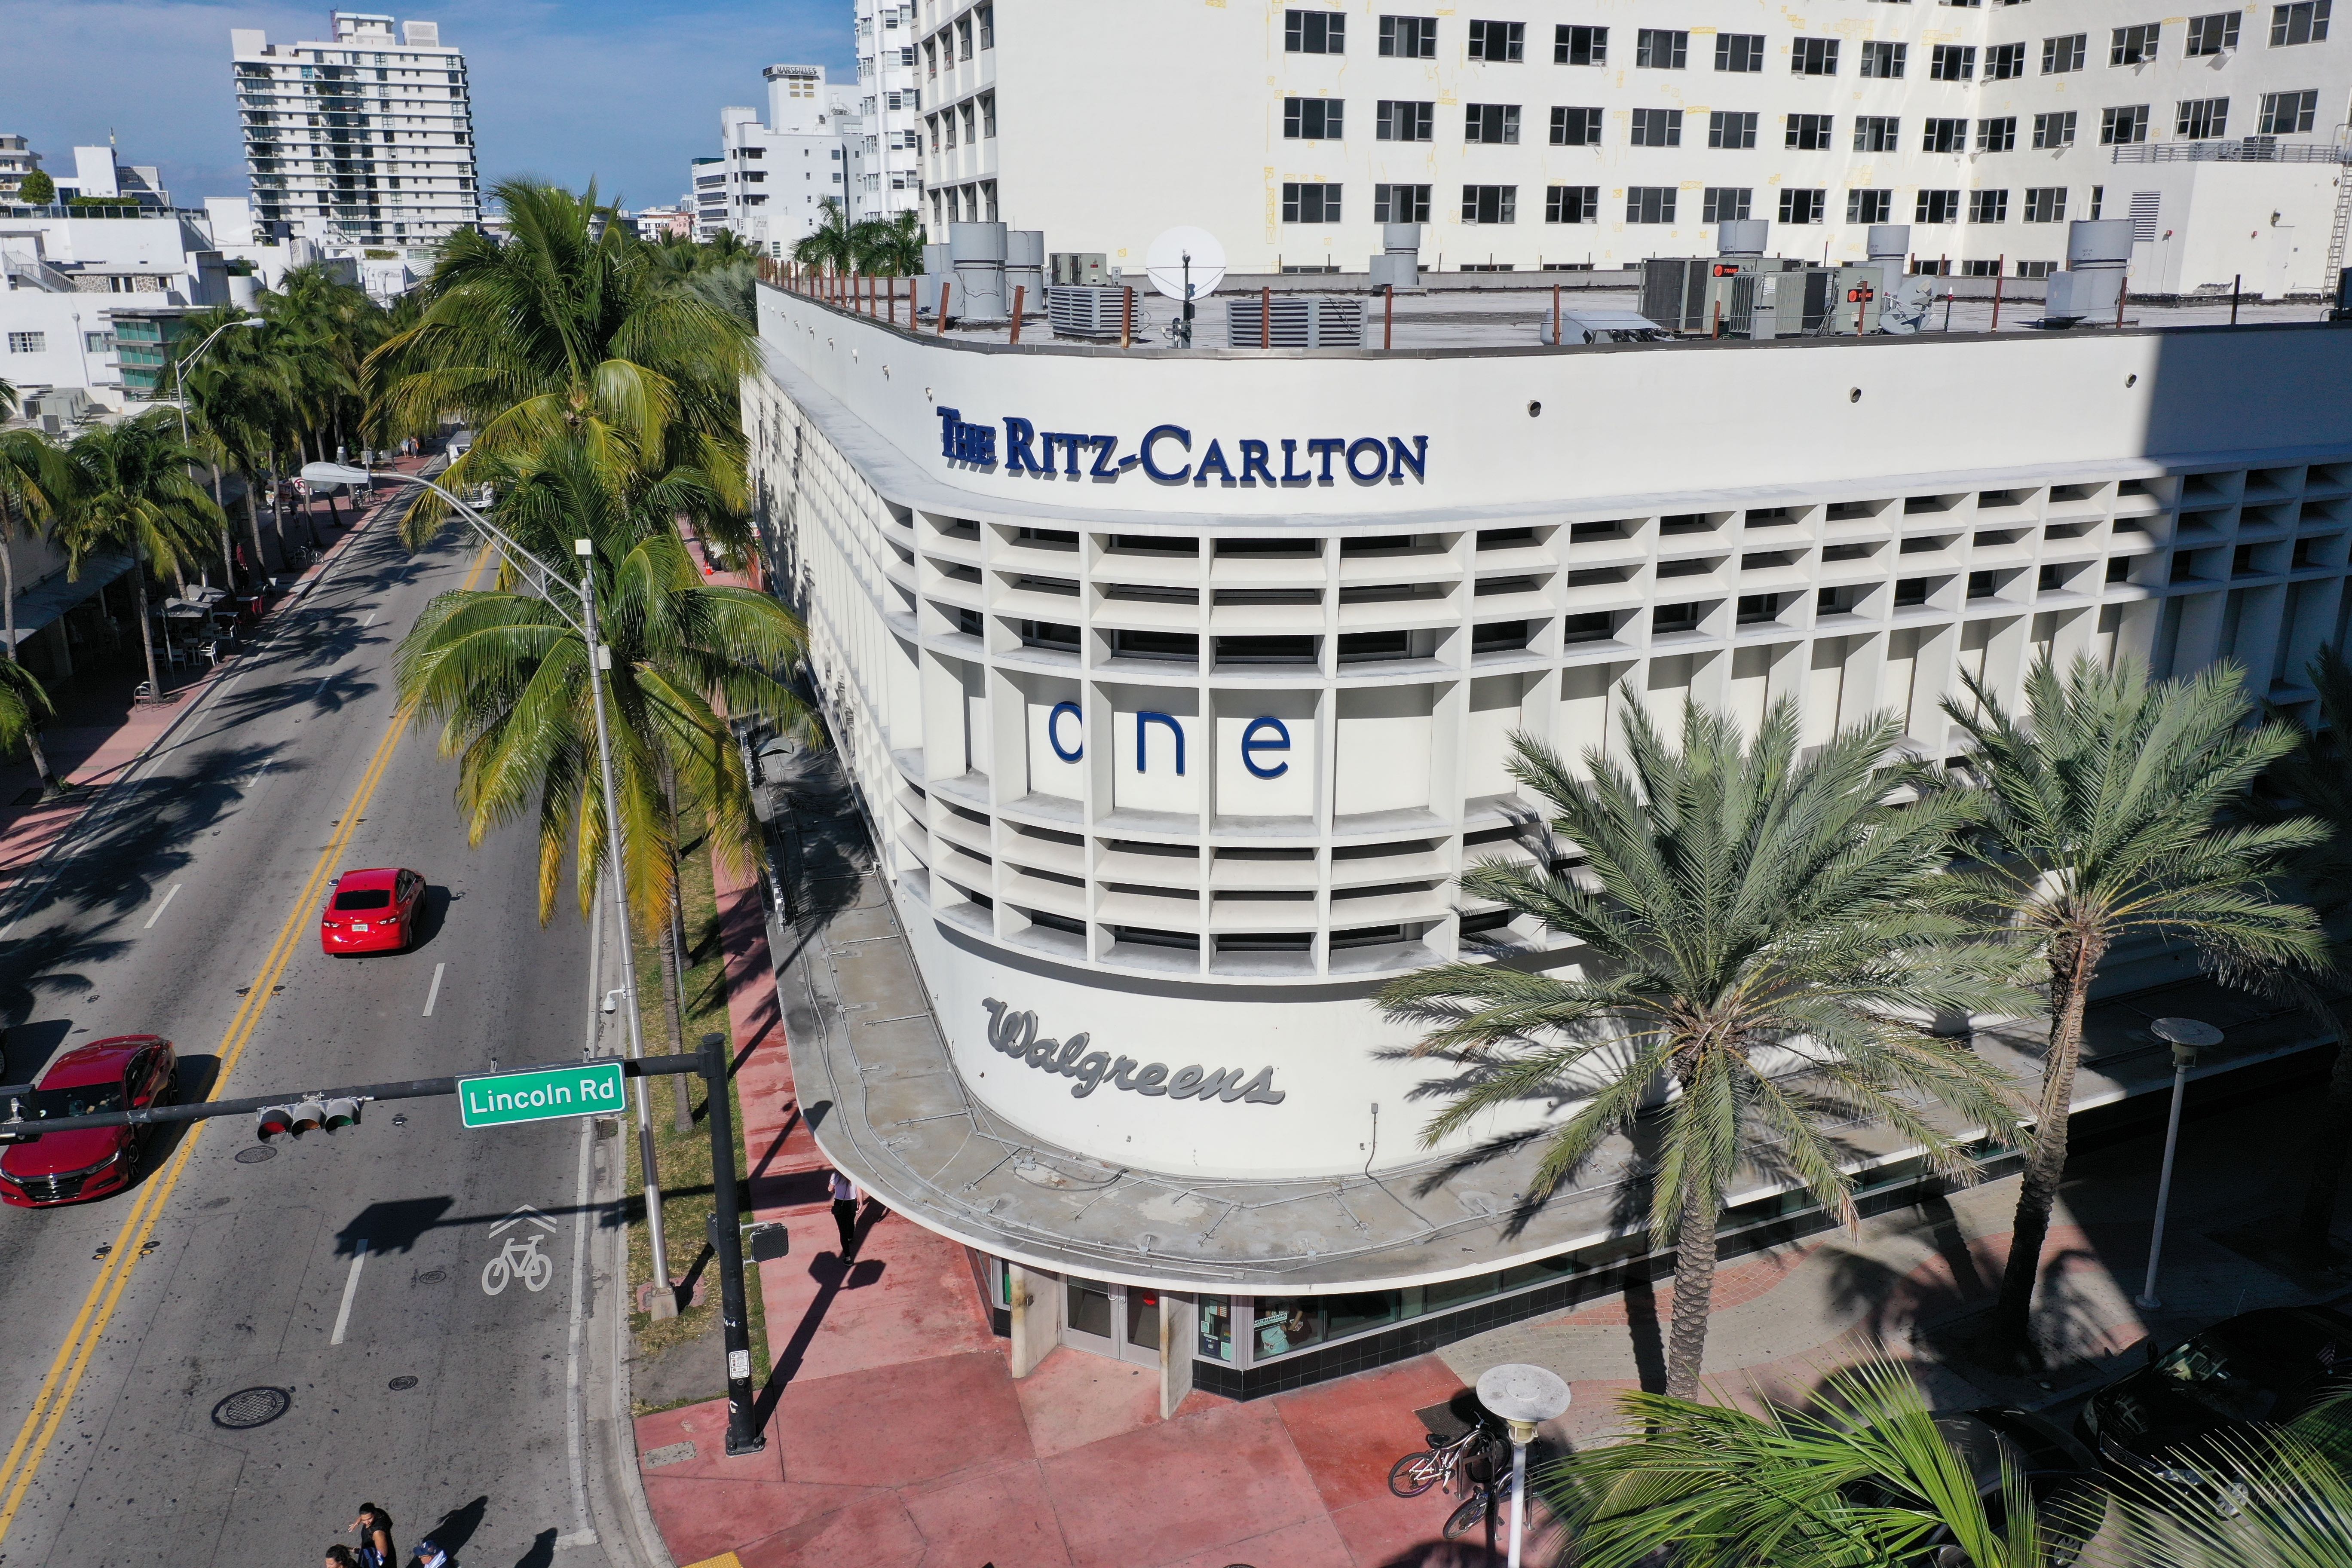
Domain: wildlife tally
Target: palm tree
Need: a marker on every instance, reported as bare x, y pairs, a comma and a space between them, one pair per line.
1860, 1476
830, 243
2103, 819
2278, 1498
132, 491
505, 672
34, 478
570, 329
2315, 779
1740, 909
889, 247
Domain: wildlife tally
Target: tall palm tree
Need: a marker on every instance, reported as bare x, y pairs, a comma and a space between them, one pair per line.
569, 330
507, 675
34, 478
2315, 780
830, 243
889, 247
132, 491
1740, 909
2105, 808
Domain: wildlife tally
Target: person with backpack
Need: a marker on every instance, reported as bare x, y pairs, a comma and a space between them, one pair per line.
375, 1549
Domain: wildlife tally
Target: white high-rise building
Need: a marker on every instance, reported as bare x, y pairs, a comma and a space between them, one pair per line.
368, 138
772, 177
1589, 133
890, 104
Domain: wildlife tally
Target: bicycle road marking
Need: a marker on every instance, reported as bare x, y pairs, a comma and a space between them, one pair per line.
350, 1289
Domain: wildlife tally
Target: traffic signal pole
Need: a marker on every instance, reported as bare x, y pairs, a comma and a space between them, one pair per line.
743, 1427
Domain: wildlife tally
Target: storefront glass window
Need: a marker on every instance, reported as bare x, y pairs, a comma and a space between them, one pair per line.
1286, 1323
1217, 1328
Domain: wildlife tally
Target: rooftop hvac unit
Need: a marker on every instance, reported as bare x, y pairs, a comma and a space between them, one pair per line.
1086, 312
1682, 293
1781, 304
1300, 321
1079, 268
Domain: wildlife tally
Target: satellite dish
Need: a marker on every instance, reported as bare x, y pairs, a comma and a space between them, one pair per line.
1166, 262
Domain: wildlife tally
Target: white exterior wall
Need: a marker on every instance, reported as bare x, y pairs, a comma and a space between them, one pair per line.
1186, 125
368, 138
889, 104
62, 326
775, 175
2179, 495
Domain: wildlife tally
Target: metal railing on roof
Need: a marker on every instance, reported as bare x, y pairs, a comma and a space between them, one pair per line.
2245, 149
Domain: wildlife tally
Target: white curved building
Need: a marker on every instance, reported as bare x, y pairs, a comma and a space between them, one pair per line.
1178, 686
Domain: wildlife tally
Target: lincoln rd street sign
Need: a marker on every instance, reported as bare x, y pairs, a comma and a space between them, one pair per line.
541, 1094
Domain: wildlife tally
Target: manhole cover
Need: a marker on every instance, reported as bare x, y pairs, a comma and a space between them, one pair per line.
432, 1277
401, 1384
251, 1407
256, 1154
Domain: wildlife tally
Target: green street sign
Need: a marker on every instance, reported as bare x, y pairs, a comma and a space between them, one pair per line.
543, 1094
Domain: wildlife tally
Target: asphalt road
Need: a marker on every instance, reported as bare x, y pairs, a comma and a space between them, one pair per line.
345, 1273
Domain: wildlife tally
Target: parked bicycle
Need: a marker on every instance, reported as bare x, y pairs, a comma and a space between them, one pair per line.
1470, 1464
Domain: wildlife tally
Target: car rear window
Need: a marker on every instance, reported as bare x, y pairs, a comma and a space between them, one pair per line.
365, 899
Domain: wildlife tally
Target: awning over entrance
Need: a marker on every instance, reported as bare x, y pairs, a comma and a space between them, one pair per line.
48, 601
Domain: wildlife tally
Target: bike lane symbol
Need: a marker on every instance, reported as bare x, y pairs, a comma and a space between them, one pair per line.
519, 1257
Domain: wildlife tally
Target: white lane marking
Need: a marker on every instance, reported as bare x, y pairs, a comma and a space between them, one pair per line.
351, 1289
161, 907
434, 994
323, 681
370, 620
255, 781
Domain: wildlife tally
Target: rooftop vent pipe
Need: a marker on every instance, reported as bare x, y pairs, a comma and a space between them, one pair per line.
977, 251
1741, 235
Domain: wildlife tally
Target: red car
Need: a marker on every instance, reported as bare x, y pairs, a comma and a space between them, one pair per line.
47, 1168
372, 911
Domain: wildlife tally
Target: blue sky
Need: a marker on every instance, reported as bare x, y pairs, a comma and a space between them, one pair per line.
625, 92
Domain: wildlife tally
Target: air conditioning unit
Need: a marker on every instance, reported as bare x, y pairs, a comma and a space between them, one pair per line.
1079, 268
1086, 312
1300, 321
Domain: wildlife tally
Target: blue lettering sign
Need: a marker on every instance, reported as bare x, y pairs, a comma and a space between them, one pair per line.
1369, 459
1177, 434
1054, 734
1141, 720
1250, 745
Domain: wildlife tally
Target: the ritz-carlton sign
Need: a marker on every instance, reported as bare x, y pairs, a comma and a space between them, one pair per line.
1168, 456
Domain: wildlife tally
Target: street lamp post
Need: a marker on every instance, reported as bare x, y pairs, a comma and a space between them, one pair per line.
2186, 1036
1522, 1395
599, 660
180, 383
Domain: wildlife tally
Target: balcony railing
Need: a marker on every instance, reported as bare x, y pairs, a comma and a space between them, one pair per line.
2245, 149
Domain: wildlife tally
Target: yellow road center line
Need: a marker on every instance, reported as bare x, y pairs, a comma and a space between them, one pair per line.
74, 1355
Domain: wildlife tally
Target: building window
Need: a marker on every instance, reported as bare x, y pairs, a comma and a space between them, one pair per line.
1573, 203
1315, 32
2202, 119
1740, 51
2045, 204
1803, 207
1312, 119
2135, 46
28, 342
1494, 124
1657, 128
1813, 56
1987, 206
1490, 204
1726, 204
1580, 45
1497, 42
987, 15
1945, 136
1877, 133
2211, 35
2004, 61
1997, 135
1730, 128
1306, 201
1660, 49
2064, 54
2055, 130
2121, 127
1576, 128
1401, 120
1952, 62
1884, 62
1808, 132
1408, 37
1870, 206
2302, 24
988, 115
1937, 206
1399, 204
1650, 204
964, 39
2036, 268
2288, 113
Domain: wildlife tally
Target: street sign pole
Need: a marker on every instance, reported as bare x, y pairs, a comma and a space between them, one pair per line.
742, 1425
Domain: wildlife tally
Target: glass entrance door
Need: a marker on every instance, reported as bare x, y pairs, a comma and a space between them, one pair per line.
1118, 1321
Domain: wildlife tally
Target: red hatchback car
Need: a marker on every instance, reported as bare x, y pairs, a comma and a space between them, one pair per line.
372, 911
113, 1074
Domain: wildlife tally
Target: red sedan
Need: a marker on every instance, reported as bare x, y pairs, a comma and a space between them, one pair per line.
116, 1074
372, 911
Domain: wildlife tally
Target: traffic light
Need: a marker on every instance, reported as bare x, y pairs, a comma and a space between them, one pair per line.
273, 1122
308, 1116
339, 1113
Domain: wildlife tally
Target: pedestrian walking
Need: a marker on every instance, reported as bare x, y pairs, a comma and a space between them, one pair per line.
846, 1198
374, 1528
340, 1556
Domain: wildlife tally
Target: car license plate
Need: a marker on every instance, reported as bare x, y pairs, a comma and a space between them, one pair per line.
359, 925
